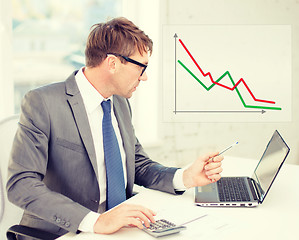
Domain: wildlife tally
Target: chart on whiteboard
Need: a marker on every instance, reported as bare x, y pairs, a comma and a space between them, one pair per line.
227, 73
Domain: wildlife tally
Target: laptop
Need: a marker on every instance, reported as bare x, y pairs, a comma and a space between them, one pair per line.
246, 191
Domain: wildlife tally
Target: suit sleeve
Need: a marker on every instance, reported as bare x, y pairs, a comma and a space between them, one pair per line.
149, 173
28, 166
152, 174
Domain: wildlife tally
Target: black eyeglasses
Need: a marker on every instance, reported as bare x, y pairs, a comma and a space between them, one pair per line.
131, 61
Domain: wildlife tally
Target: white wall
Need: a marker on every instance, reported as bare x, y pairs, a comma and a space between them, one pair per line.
183, 142
144, 101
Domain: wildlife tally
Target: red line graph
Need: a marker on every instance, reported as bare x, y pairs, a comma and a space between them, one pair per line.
222, 85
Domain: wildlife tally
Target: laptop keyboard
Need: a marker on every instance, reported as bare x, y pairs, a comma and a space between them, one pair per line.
232, 189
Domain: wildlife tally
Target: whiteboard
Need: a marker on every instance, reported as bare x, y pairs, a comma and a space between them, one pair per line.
227, 73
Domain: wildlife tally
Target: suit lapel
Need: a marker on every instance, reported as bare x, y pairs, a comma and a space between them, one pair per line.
80, 116
75, 101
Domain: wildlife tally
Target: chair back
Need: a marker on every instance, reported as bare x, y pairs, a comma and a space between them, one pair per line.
9, 213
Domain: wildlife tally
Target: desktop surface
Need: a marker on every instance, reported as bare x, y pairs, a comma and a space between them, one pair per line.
275, 219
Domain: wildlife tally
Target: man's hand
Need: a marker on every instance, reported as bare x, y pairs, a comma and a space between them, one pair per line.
123, 215
203, 171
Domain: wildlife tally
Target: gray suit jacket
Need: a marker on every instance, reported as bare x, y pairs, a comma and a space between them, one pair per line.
53, 169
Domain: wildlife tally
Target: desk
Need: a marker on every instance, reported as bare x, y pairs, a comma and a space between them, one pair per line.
275, 219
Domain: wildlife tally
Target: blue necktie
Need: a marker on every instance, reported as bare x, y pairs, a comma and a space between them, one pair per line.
116, 192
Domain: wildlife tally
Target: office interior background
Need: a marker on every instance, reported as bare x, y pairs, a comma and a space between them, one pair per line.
43, 42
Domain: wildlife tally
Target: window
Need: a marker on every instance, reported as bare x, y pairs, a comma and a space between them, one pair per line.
49, 39
43, 42
6, 86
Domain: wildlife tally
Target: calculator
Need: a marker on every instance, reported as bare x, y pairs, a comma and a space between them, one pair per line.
163, 227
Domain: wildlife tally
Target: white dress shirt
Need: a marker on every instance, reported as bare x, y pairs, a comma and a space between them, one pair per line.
92, 100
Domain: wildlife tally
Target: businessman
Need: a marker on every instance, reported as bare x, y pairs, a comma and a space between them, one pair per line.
75, 154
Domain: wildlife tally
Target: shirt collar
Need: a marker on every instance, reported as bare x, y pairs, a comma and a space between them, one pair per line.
91, 97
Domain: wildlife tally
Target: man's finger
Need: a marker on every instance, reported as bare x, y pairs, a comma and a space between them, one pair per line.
214, 171
146, 211
218, 158
135, 222
209, 157
212, 165
141, 216
214, 177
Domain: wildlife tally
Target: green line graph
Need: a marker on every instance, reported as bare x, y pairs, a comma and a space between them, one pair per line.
218, 80
226, 73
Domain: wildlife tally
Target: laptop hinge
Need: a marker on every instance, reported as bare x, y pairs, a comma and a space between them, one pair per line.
255, 188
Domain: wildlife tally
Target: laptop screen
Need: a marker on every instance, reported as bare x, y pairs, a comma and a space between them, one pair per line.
270, 163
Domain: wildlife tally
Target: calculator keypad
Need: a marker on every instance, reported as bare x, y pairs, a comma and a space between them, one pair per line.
163, 227
161, 224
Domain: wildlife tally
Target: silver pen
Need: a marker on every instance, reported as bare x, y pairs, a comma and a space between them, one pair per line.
224, 150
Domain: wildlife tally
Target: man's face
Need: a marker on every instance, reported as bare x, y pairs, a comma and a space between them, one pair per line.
128, 75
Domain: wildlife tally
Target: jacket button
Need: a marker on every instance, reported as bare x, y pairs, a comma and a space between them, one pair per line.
58, 220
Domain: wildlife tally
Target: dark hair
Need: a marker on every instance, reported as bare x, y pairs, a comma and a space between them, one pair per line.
118, 35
